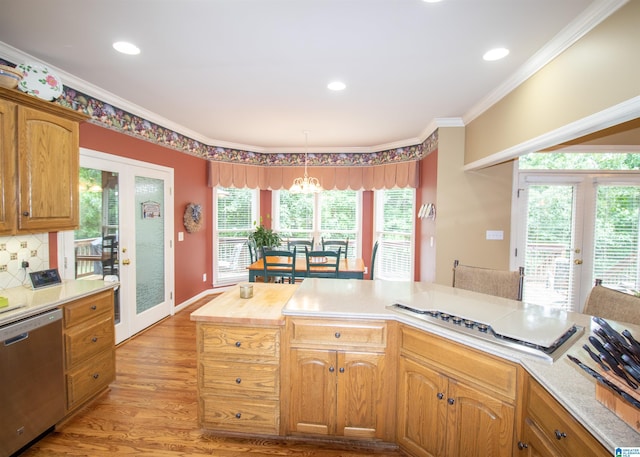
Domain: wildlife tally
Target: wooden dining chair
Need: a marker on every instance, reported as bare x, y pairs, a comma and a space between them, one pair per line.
279, 264
332, 245
374, 254
301, 245
323, 264
500, 283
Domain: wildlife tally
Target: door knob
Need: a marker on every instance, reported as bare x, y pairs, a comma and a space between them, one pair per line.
126, 261
578, 261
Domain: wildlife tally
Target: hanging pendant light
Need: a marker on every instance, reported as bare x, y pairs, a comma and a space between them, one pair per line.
306, 184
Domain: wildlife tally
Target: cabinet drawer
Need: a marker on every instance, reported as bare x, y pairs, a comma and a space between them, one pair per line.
84, 342
90, 378
240, 378
238, 341
475, 367
240, 414
553, 421
87, 308
338, 334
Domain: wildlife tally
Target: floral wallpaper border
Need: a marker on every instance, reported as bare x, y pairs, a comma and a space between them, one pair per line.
114, 118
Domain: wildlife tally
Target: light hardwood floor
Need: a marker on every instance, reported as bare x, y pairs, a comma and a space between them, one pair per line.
151, 409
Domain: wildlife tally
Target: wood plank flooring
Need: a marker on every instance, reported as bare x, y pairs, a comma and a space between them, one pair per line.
151, 408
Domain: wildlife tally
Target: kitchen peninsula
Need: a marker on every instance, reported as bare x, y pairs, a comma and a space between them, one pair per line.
331, 359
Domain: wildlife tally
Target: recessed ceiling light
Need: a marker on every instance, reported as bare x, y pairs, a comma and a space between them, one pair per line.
496, 54
431, 1
337, 85
126, 48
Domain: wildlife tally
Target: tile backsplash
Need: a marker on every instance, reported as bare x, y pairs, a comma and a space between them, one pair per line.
16, 249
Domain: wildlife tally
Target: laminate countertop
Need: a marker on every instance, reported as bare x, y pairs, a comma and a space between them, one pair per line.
25, 302
357, 299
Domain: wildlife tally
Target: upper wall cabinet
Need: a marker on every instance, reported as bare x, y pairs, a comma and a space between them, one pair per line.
39, 143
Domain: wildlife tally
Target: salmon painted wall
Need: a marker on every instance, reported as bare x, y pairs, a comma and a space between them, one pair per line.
194, 255
426, 228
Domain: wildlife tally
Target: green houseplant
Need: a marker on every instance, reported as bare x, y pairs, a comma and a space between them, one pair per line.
266, 237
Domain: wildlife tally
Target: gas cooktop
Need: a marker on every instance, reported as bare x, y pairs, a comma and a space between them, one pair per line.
532, 330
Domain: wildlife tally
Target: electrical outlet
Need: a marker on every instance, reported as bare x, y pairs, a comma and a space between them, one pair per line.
204, 277
25, 264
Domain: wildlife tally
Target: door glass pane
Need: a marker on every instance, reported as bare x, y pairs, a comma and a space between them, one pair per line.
96, 240
394, 230
616, 237
549, 241
149, 203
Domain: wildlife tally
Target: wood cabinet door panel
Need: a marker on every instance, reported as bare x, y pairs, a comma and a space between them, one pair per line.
313, 392
86, 308
90, 378
479, 425
338, 334
48, 167
240, 414
241, 342
239, 378
422, 409
7, 168
361, 394
83, 342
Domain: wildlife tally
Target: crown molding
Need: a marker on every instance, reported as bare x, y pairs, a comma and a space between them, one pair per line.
617, 114
584, 23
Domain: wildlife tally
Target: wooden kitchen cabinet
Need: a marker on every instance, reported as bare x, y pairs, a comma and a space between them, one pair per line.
340, 383
89, 346
548, 430
239, 378
39, 144
452, 400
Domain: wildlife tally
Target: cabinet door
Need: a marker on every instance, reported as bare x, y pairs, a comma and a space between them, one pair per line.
7, 167
361, 395
421, 410
533, 443
48, 160
313, 392
479, 425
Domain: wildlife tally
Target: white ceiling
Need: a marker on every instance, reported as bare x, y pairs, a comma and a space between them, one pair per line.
253, 73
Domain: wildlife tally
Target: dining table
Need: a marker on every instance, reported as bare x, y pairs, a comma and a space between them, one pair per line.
348, 269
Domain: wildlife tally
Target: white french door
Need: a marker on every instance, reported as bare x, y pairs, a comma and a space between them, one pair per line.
573, 228
138, 216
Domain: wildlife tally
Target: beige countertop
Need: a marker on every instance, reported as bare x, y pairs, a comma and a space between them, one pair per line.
350, 298
25, 302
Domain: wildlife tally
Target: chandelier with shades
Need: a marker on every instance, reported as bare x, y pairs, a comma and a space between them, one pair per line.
306, 184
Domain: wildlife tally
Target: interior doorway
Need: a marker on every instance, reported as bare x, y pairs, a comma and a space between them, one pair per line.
125, 235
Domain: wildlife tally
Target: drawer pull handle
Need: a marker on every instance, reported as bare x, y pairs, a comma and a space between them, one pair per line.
337, 335
451, 401
238, 380
94, 307
560, 435
94, 339
238, 344
96, 376
331, 369
25, 213
522, 445
238, 415
440, 395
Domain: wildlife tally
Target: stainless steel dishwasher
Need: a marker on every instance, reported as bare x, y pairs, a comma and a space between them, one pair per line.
32, 390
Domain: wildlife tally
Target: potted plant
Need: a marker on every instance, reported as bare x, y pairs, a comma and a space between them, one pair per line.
263, 236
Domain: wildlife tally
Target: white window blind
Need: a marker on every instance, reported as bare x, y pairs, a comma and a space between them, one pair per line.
333, 214
395, 209
616, 236
236, 212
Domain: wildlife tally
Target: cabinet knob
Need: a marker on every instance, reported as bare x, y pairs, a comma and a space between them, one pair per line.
94, 339
522, 445
238, 415
451, 401
96, 375
341, 370
25, 213
337, 335
238, 344
94, 307
440, 395
238, 380
331, 369
559, 434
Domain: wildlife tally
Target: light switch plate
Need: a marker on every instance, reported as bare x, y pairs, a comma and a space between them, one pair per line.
495, 235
